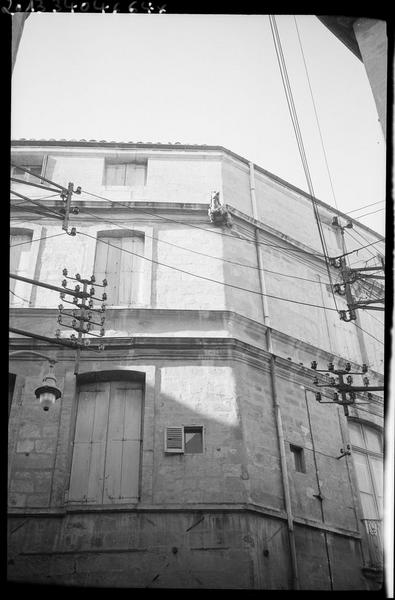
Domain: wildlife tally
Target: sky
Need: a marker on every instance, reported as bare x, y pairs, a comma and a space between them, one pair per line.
207, 79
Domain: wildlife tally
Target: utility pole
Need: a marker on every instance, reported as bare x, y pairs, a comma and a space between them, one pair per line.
351, 276
344, 387
83, 316
82, 321
66, 195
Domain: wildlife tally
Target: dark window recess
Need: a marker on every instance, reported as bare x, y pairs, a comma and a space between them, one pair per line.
193, 440
298, 455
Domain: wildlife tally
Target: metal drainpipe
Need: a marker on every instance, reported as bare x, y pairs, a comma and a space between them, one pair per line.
262, 284
320, 498
277, 410
284, 475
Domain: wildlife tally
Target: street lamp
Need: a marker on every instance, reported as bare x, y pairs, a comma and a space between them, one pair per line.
48, 392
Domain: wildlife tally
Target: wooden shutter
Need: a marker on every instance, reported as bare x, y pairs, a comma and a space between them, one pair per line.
107, 266
106, 455
49, 167
117, 261
135, 175
123, 444
174, 440
130, 269
87, 471
115, 175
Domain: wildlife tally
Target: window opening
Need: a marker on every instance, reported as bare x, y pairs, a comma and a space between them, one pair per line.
125, 174
298, 455
193, 440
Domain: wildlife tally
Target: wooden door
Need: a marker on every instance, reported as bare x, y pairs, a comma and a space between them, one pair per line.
106, 455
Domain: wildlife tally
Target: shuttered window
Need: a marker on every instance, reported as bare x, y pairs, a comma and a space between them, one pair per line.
125, 174
20, 245
106, 454
368, 461
174, 440
118, 260
184, 440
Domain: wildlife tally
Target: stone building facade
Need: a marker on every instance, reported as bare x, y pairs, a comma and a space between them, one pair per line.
190, 452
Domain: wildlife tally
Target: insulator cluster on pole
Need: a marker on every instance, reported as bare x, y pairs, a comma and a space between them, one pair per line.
85, 316
66, 196
341, 379
351, 276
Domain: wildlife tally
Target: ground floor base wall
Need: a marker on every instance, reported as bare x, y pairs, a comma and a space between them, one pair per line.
185, 549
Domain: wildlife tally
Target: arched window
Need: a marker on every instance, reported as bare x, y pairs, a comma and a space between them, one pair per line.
106, 451
367, 448
118, 260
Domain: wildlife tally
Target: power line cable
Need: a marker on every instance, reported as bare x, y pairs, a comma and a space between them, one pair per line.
201, 253
49, 211
299, 138
224, 260
360, 248
219, 282
20, 297
195, 275
362, 207
203, 276
358, 242
199, 276
365, 239
36, 198
233, 237
45, 237
316, 113
371, 213
214, 231
365, 310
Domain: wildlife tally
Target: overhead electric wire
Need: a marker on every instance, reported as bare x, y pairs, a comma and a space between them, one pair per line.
365, 310
60, 187
362, 207
316, 113
359, 249
20, 297
37, 198
214, 231
299, 139
358, 242
233, 237
203, 276
42, 206
44, 237
194, 274
215, 280
371, 213
224, 260
360, 235
197, 252
282, 248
